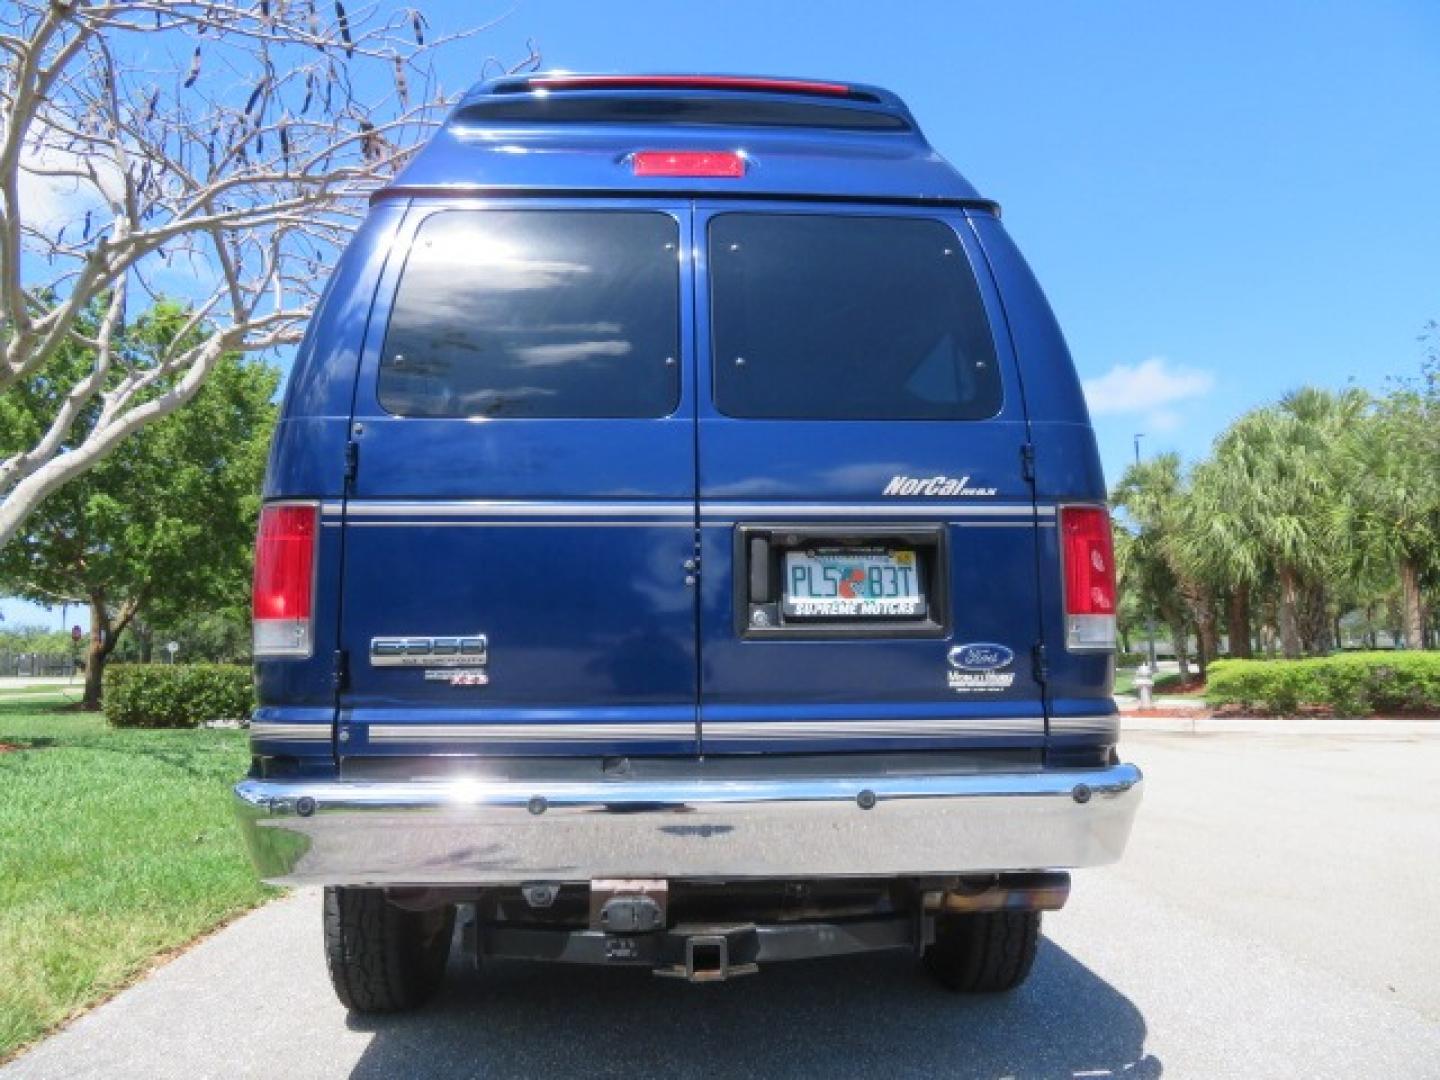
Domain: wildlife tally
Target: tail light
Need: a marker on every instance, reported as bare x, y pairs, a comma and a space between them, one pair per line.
283, 600
723, 163
1088, 557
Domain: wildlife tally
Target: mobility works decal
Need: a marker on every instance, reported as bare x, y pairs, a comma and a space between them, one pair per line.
979, 667
935, 487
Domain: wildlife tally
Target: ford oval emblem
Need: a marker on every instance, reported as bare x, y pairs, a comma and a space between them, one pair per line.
981, 656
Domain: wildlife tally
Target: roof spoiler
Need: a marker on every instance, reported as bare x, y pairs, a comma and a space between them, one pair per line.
737, 83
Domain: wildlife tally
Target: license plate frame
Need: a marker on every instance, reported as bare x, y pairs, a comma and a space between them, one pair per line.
756, 584
862, 584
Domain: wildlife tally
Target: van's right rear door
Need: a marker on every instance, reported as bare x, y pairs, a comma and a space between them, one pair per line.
868, 528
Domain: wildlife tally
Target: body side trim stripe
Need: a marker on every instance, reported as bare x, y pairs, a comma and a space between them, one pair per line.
762, 729
267, 729
936, 509
600, 508
547, 523
539, 732
516, 508
1085, 725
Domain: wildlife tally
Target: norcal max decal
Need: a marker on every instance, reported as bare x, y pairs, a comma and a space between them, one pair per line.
934, 486
979, 668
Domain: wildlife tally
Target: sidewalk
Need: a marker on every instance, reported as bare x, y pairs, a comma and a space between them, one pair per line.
1130, 702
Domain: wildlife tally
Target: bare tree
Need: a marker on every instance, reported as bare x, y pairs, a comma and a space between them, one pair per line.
220, 151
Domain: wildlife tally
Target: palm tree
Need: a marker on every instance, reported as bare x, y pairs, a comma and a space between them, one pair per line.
1150, 494
1216, 544
1387, 524
1276, 471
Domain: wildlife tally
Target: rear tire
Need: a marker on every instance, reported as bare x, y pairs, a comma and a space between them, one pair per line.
383, 958
985, 953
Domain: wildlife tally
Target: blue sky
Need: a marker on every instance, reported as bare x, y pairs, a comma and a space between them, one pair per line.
1224, 201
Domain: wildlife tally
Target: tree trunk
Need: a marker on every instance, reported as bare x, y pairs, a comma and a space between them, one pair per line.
97, 653
1321, 623
1238, 622
1207, 631
1180, 642
1289, 612
1412, 604
104, 634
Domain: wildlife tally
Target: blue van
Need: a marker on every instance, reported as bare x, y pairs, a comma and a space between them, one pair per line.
684, 545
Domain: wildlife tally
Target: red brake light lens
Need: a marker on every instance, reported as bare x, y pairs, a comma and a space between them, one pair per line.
282, 603
1088, 557
722, 163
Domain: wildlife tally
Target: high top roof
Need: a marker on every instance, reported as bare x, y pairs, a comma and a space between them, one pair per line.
564, 133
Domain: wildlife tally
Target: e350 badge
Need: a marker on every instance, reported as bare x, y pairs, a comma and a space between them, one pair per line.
979, 668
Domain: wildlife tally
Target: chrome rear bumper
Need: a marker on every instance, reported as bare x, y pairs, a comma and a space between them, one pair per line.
478, 832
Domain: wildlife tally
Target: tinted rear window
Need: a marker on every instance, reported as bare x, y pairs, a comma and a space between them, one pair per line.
736, 111
536, 313
847, 318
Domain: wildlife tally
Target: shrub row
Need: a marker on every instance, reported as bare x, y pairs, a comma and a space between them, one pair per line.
1352, 684
176, 695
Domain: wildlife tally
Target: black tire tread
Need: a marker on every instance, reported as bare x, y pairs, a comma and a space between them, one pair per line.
382, 958
984, 953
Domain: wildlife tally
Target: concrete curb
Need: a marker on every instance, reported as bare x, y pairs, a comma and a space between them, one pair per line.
1380, 727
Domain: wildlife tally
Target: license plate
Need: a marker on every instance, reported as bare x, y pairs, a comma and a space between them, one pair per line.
823, 583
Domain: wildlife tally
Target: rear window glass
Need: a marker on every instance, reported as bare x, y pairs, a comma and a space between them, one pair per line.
847, 318
536, 313
621, 109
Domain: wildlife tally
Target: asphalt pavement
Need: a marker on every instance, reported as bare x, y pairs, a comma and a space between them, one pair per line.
1277, 915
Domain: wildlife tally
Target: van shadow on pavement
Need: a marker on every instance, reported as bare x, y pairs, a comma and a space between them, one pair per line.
850, 1016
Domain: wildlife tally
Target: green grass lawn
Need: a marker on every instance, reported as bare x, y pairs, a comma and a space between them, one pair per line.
115, 846
41, 694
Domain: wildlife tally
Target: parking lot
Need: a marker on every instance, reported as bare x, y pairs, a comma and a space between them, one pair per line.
1278, 914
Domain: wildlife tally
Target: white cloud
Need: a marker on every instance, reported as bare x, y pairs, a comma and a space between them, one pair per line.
1147, 387
47, 201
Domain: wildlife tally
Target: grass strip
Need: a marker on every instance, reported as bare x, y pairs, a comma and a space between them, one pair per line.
115, 847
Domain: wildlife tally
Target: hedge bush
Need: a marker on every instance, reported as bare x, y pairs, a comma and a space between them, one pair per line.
176, 695
1352, 684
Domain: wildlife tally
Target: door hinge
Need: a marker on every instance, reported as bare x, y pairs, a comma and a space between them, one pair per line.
352, 460
340, 668
1027, 460
1041, 664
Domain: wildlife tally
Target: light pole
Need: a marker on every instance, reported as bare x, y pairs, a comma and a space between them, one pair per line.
1149, 615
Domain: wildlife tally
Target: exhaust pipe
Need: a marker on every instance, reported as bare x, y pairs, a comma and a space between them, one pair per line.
1045, 891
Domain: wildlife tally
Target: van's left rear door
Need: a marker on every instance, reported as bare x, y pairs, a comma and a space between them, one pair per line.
522, 509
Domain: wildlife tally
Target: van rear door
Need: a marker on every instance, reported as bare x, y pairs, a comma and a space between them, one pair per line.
869, 576
522, 508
